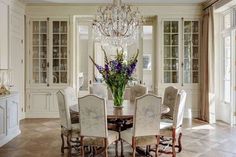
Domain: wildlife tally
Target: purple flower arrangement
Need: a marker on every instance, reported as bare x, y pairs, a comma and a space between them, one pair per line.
116, 74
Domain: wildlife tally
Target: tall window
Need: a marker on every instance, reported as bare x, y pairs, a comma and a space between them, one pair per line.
227, 68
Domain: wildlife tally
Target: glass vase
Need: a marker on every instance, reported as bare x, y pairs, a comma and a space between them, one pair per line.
118, 96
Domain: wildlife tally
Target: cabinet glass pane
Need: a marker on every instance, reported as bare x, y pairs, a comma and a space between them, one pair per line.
187, 26
195, 39
43, 27
175, 26
35, 39
63, 28
167, 25
167, 39
174, 77
56, 77
35, 52
43, 39
167, 77
63, 39
167, 52
167, 64
35, 27
56, 39
63, 52
63, 77
191, 52
56, 26
195, 26
174, 39
43, 52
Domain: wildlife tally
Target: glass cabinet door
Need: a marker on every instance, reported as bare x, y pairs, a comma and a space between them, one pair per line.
59, 52
191, 52
171, 51
39, 51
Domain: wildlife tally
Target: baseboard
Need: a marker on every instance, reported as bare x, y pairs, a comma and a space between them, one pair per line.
41, 115
8, 138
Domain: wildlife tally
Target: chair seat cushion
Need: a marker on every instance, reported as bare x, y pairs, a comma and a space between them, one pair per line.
75, 130
98, 141
166, 129
140, 141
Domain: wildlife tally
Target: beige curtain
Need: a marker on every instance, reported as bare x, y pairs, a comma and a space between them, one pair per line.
207, 94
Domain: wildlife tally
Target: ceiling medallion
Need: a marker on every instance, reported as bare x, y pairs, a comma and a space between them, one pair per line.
117, 24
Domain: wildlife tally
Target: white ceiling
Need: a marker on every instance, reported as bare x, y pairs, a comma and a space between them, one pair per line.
125, 1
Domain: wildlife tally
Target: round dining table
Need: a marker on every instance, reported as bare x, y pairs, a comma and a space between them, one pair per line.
125, 112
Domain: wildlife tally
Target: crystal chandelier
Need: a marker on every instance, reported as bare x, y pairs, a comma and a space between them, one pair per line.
117, 24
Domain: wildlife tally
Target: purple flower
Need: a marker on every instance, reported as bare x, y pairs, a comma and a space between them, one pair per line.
118, 67
100, 68
106, 68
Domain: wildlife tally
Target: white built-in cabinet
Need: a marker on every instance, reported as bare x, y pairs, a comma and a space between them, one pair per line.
180, 59
4, 36
49, 60
9, 117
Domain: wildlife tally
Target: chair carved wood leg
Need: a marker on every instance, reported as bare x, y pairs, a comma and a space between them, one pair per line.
158, 141
69, 143
116, 143
82, 146
179, 142
122, 148
106, 145
62, 143
173, 143
134, 146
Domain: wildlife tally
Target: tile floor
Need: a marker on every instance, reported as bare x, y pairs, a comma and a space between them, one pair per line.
41, 138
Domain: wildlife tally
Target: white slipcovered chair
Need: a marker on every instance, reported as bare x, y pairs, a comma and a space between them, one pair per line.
72, 99
174, 130
93, 124
99, 89
146, 129
169, 100
67, 128
137, 91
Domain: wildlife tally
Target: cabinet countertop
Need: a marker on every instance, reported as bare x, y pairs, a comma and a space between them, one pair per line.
9, 95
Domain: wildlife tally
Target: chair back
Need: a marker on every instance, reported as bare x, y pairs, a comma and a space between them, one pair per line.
70, 96
147, 115
179, 109
137, 91
170, 96
64, 111
99, 89
93, 116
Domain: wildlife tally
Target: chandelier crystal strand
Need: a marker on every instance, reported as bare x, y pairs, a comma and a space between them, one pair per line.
117, 24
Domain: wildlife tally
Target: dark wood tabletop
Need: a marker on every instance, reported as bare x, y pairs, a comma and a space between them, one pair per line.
127, 111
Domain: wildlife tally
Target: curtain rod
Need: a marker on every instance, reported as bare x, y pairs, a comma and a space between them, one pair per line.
210, 5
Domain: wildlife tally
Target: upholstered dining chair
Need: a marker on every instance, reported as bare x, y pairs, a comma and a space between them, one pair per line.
174, 130
67, 128
137, 91
169, 100
145, 131
93, 124
99, 89
71, 99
